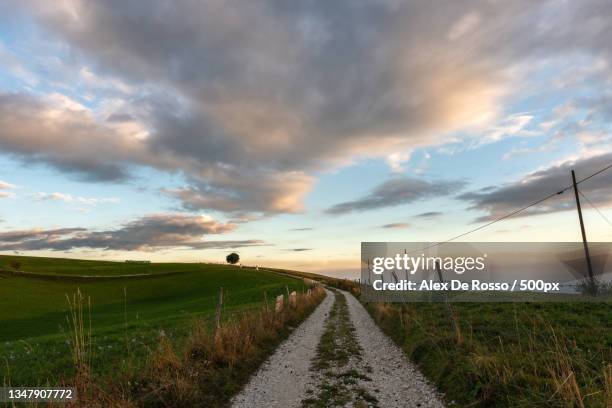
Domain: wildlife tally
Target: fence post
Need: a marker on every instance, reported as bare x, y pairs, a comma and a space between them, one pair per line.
218, 311
266, 299
280, 302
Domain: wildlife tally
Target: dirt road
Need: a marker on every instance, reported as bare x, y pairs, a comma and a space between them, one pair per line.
338, 358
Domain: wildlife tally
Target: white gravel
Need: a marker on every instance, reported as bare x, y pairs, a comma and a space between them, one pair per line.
283, 379
396, 382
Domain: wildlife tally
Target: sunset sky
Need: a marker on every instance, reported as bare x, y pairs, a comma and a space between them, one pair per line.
292, 131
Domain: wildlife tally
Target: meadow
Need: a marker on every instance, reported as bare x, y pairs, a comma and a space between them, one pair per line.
128, 316
508, 354
502, 354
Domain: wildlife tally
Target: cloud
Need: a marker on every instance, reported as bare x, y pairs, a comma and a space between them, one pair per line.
299, 249
394, 225
429, 214
302, 229
6, 186
499, 201
61, 133
398, 191
249, 102
227, 244
150, 232
68, 198
246, 192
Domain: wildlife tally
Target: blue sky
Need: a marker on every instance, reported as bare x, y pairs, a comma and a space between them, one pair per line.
291, 135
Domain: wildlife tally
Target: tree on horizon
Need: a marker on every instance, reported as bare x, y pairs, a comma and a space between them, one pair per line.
232, 258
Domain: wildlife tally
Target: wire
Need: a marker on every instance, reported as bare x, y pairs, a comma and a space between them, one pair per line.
517, 211
497, 219
596, 173
596, 209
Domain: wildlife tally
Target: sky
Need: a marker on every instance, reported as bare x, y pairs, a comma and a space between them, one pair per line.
290, 132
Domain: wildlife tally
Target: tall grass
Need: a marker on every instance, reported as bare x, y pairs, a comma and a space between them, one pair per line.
206, 369
511, 355
79, 322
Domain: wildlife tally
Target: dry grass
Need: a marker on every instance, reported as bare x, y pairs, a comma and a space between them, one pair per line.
608, 385
511, 355
206, 370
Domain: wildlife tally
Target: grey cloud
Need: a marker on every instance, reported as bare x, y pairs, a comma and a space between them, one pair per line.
429, 214
299, 249
227, 244
63, 137
499, 201
398, 191
120, 117
396, 225
34, 234
302, 229
274, 92
147, 233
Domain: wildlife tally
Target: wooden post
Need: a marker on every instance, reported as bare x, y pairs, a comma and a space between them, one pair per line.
584, 238
218, 311
266, 299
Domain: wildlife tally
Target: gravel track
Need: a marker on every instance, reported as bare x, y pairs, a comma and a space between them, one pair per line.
290, 378
396, 382
283, 379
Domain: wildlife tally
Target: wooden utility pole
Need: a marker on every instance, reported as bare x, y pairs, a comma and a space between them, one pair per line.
584, 238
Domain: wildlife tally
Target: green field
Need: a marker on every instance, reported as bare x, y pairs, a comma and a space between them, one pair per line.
62, 266
509, 354
128, 315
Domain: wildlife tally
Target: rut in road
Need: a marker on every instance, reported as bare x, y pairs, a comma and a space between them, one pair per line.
338, 358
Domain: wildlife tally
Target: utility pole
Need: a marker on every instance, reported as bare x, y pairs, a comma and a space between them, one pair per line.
584, 238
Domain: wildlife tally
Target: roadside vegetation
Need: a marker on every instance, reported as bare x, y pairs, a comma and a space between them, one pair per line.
489, 354
129, 317
206, 369
508, 354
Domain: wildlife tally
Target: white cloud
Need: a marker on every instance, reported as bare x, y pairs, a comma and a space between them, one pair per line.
68, 198
6, 186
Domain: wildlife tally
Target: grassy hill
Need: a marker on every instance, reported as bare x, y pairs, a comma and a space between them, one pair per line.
127, 315
77, 267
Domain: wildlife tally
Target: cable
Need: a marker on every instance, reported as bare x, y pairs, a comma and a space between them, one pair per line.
516, 211
596, 209
497, 219
596, 173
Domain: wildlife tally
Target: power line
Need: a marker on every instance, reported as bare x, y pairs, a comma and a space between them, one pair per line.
595, 208
516, 211
596, 173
